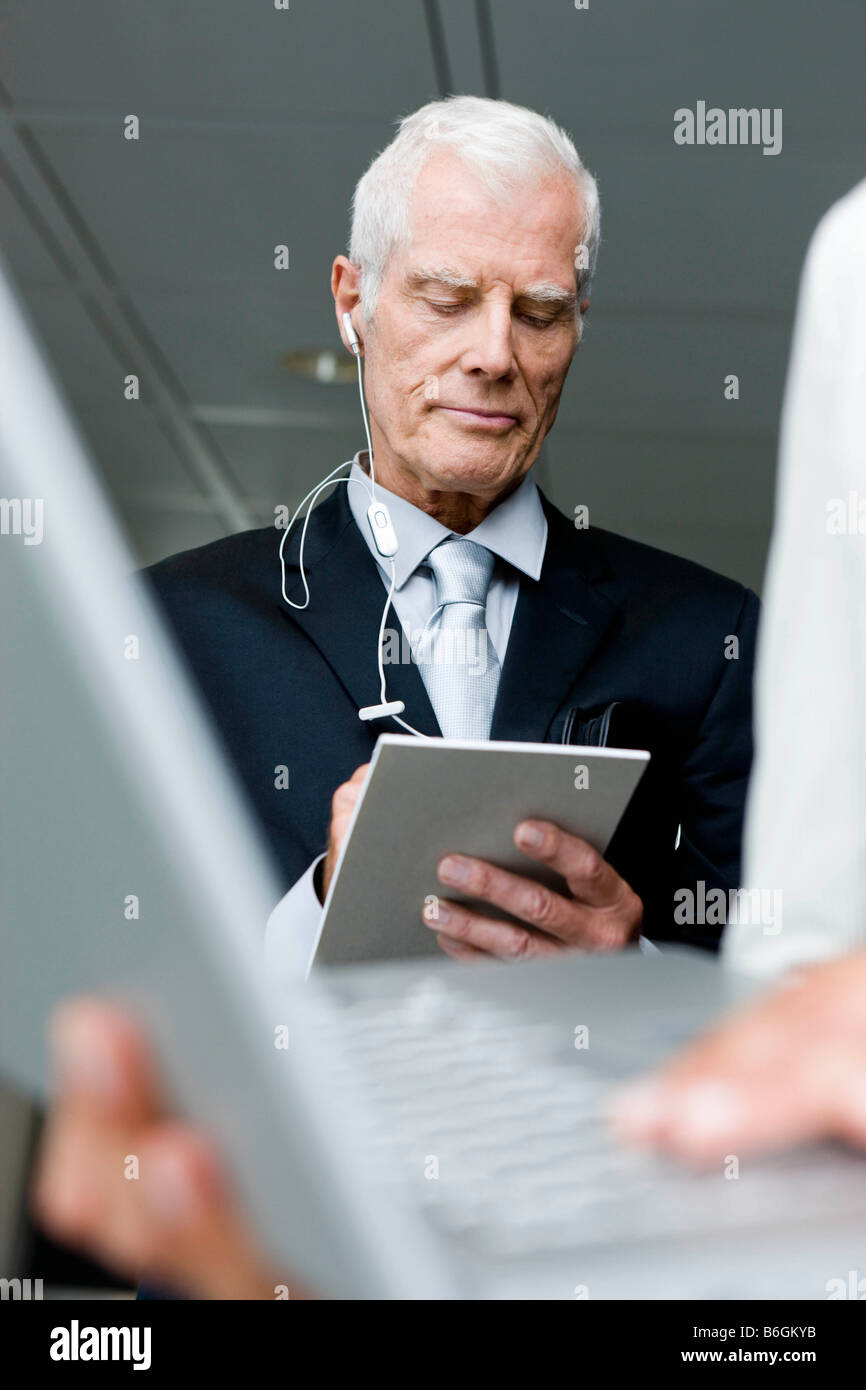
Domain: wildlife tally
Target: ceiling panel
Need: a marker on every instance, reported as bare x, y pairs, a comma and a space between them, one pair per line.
27, 254
192, 208
227, 348
132, 450
634, 63
86, 364
137, 458
720, 228
319, 60
279, 466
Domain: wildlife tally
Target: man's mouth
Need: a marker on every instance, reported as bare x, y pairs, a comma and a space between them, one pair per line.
481, 417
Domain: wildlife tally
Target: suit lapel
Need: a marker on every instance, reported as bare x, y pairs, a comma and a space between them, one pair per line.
559, 622
346, 601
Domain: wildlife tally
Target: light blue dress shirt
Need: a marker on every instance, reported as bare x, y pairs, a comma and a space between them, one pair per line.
516, 533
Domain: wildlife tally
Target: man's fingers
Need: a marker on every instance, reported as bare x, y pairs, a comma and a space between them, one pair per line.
772, 1076
569, 922
589, 876
707, 1119
106, 1097
459, 949
99, 1063
529, 901
198, 1239
151, 1205
141, 1194
345, 798
708, 1098
343, 804
479, 935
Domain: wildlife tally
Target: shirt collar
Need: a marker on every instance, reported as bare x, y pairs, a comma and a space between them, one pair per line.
515, 530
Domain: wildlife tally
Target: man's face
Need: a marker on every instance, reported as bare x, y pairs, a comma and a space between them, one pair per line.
473, 334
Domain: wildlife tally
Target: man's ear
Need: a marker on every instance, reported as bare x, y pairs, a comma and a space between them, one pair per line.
583, 306
346, 289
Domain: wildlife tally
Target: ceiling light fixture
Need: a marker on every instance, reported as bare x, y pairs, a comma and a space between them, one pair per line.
319, 365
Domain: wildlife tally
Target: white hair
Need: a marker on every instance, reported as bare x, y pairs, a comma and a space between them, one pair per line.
506, 146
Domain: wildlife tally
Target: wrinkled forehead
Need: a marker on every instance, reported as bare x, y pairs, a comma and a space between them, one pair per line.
526, 232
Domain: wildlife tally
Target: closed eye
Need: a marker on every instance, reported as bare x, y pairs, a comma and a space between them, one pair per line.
449, 307
537, 322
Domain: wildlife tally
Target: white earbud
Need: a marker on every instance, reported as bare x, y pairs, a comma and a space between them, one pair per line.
354, 342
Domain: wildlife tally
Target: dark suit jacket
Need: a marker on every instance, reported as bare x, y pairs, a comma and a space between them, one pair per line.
609, 620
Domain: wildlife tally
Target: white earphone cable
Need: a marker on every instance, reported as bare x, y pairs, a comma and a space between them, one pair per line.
312, 497
366, 427
313, 493
382, 693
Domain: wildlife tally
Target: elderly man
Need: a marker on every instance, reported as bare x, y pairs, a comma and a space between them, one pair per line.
474, 238
789, 1068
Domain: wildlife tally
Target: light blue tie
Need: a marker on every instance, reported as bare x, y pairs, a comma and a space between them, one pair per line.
457, 660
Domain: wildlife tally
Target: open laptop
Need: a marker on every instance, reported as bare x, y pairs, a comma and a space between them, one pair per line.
415, 1130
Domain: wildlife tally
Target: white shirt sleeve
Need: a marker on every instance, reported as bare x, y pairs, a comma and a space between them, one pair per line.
293, 928
805, 834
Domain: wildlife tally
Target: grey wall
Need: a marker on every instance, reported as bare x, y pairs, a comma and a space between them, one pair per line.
156, 256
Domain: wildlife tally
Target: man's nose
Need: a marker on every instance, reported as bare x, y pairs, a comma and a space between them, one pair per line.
490, 347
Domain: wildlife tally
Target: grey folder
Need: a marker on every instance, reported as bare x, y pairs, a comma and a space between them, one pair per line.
425, 797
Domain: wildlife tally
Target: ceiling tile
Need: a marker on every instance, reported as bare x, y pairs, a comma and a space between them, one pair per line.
634, 63
222, 59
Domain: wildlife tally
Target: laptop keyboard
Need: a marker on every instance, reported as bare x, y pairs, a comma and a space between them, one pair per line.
496, 1125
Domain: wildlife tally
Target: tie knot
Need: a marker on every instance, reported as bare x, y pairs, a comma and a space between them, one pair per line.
462, 571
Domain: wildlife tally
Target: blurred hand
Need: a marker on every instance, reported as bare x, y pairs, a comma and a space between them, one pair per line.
787, 1069
599, 911
342, 805
176, 1224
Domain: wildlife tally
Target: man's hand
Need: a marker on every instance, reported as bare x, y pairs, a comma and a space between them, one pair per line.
342, 805
787, 1069
175, 1223
600, 912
